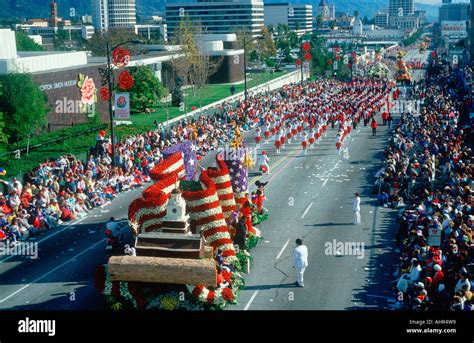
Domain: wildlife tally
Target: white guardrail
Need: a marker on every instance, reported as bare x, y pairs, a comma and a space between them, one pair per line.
291, 77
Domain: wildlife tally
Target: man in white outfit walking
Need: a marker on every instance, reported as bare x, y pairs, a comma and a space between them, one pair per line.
300, 261
356, 209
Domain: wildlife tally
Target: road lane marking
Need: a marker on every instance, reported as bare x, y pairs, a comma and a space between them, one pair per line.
324, 183
283, 249
335, 166
52, 270
66, 227
307, 209
250, 301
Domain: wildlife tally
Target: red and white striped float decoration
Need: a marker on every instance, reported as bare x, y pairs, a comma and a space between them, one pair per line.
206, 217
221, 178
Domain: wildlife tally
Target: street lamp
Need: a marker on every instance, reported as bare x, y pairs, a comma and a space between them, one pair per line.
245, 62
110, 71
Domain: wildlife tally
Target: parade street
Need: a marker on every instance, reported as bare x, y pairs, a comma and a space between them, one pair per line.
308, 196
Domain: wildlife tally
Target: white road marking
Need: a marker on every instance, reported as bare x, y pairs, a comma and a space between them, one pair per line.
335, 166
250, 301
325, 181
52, 271
50, 236
283, 249
307, 209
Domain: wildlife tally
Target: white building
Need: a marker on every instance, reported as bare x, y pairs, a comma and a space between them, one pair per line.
358, 27
12, 60
224, 16
299, 17
87, 31
113, 14
149, 31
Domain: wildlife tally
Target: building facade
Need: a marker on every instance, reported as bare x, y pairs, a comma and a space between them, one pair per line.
454, 12
401, 8
151, 31
113, 14
224, 16
299, 17
381, 19
408, 22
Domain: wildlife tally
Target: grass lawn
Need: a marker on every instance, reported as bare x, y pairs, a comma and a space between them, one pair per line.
79, 144
212, 94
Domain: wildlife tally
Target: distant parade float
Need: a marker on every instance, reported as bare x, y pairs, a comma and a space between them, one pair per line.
192, 234
402, 73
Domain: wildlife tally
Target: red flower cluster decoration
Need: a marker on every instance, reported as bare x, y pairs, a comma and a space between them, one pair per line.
104, 94
227, 294
329, 61
306, 46
298, 62
125, 80
121, 57
307, 56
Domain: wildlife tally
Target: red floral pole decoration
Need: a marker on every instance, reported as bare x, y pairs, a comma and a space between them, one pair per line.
307, 57
306, 46
121, 57
125, 80
298, 62
104, 94
329, 61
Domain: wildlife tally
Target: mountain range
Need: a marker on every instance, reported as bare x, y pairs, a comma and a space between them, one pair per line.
40, 8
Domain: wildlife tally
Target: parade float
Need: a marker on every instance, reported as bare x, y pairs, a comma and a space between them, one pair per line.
378, 69
184, 225
402, 71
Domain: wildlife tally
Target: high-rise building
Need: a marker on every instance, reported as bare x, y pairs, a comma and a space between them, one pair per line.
381, 19
53, 13
401, 8
217, 16
454, 11
332, 12
299, 17
113, 14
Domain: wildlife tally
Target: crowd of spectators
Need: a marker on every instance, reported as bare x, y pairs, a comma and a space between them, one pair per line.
428, 174
67, 188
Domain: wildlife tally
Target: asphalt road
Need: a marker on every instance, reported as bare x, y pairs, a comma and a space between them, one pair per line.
309, 197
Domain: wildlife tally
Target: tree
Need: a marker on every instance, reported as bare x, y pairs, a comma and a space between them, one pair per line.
319, 54
202, 65
319, 21
147, 89
97, 44
24, 106
332, 24
25, 43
